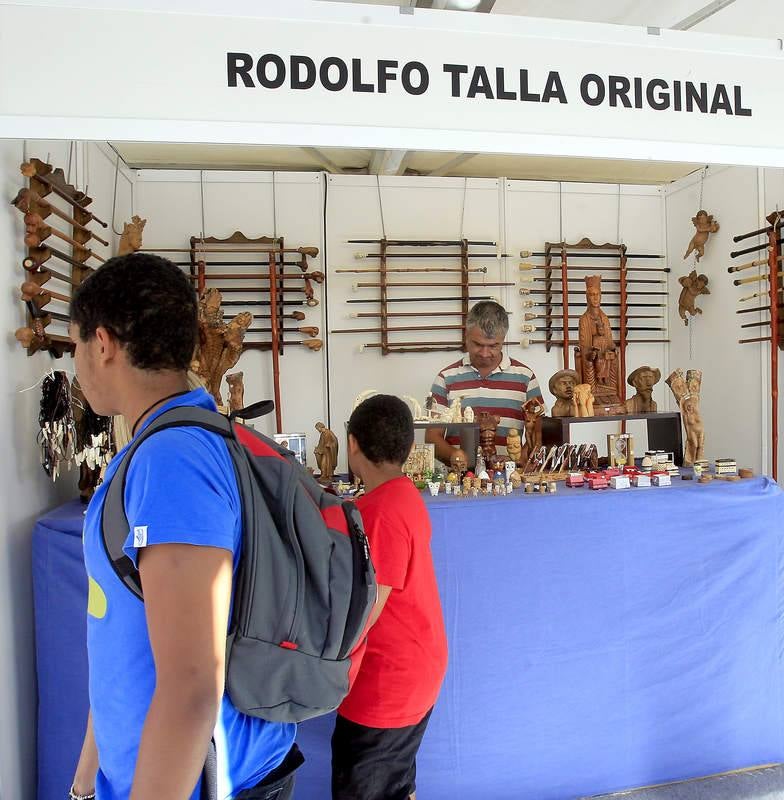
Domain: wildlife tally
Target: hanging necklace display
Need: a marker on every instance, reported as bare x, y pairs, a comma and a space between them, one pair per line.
94, 448
57, 434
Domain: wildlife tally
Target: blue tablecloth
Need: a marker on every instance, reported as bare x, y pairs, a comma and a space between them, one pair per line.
598, 641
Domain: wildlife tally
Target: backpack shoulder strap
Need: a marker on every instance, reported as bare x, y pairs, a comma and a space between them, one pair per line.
114, 521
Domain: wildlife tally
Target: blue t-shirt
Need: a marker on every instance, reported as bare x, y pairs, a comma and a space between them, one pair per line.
180, 488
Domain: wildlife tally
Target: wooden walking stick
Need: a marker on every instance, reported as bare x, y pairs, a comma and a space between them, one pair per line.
756, 248
758, 278
25, 197
740, 237
758, 309
298, 315
38, 256
418, 256
604, 280
310, 252
45, 271
37, 233
756, 263
774, 253
401, 329
526, 266
312, 344
423, 242
357, 286
526, 291
316, 277
540, 254
54, 180
308, 330
33, 293
376, 314
420, 299
368, 271
276, 340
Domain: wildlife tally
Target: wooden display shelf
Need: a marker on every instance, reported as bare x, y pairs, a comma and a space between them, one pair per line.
664, 430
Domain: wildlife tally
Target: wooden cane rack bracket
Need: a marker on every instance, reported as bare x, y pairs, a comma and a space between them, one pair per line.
771, 300
44, 261
454, 270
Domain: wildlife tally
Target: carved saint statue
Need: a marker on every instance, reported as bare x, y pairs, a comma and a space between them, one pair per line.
326, 453
596, 357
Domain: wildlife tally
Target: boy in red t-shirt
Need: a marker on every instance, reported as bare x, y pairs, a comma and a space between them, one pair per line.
381, 722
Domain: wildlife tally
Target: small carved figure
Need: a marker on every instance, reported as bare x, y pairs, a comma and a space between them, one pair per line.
131, 239
455, 410
584, 399
562, 386
643, 379
693, 286
686, 389
705, 225
533, 411
236, 391
468, 414
514, 445
326, 453
487, 427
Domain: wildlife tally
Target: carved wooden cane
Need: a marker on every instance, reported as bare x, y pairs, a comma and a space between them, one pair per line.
25, 197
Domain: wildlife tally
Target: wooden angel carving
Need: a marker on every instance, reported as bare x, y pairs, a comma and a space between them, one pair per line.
693, 286
705, 225
131, 239
220, 344
686, 389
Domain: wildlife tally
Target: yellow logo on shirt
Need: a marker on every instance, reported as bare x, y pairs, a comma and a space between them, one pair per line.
96, 600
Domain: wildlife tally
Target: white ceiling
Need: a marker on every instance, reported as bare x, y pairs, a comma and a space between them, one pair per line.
758, 18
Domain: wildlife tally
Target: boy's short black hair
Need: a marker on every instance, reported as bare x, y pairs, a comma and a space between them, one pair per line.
384, 429
147, 303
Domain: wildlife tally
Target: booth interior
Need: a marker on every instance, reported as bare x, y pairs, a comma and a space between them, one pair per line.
610, 639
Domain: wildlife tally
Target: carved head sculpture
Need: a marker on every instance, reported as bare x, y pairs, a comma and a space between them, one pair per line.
593, 290
643, 379
132, 233
563, 382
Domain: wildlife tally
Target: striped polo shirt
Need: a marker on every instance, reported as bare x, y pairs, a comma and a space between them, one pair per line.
503, 393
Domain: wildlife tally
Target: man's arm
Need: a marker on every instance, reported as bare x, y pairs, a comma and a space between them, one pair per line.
87, 768
381, 599
187, 591
444, 451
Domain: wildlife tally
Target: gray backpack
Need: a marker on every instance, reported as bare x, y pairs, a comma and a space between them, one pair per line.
305, 585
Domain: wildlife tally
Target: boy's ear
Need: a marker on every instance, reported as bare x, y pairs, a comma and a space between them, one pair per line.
353, 445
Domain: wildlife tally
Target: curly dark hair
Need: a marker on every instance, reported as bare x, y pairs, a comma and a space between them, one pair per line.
384, 429
147, 303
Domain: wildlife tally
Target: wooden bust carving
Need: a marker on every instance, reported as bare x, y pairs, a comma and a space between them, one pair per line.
596, 357
220, 344
705, 226
686, 389
326, 453
643, 379
562, 386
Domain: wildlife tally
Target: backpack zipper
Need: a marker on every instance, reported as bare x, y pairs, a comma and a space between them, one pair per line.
298, 558
361, 559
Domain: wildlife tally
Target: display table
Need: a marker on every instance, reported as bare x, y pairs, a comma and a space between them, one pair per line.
598, 641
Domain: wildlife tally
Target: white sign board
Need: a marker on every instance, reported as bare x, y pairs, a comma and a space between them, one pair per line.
369, 76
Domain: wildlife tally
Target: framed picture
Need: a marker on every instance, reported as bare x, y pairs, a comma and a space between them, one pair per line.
296, 442
620, 449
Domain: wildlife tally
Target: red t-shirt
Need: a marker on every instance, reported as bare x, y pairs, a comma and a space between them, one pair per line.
405, 660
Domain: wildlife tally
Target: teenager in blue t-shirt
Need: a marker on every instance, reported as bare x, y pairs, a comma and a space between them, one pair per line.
157, 696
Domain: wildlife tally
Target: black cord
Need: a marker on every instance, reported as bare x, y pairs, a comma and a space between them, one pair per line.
156, 403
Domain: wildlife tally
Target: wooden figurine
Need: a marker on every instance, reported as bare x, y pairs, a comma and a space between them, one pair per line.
562, 387
705, 226
236, 391
693, 286
131, 239
596, 357
643, 379
533, 411
584, 398
514, 445
468, 414
686, 389
455, 410
487, 427
326, 453
220, 345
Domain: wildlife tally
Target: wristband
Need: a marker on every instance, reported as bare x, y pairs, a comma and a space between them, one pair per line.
72, 795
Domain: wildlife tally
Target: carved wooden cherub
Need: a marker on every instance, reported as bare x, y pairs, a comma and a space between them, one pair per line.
643, 379
220, 345
131, 239
584, 398
705, 225
686, 389
693, 286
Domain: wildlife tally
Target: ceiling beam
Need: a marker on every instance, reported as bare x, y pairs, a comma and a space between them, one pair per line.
450, 165
701, 15
387, 162
325, 162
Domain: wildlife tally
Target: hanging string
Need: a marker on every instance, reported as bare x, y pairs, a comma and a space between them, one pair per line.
274, 209
560, 212
462, 209
381, 208
201, 190
618, 221
68, 171
114, 195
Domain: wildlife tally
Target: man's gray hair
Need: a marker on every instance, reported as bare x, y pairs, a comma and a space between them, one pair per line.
490, 317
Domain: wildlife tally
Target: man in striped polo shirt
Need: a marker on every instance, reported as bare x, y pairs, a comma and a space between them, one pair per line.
486, 379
